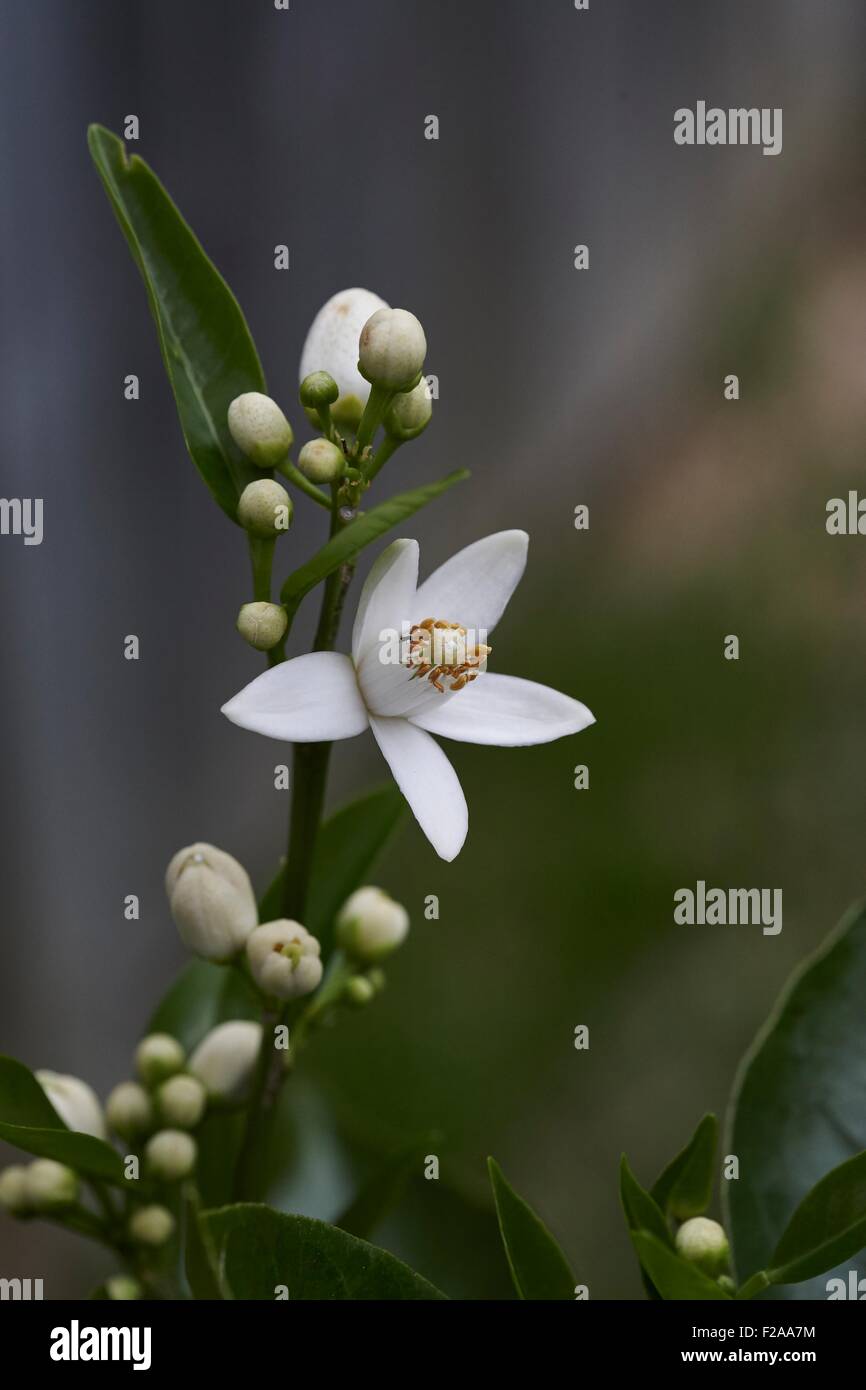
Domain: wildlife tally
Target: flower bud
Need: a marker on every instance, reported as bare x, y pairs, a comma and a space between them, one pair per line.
50, 1186
225, 1059
410, 412
122, 1288
332, 347
13, 1189
703, 1243
391, 348
371, 925
284, 959
260, 429
159, 1055
170, 1155
263, 625
321, 461
318, 390
265, 508
75, 1102
212, 901
359, 991
129, 1110
151, 1225
182, 1101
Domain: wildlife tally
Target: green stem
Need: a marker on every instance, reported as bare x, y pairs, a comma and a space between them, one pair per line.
294, 475
379, 399
262, 557
390, 444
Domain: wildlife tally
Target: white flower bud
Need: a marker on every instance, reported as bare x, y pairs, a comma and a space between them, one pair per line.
182, 1101
321, 461
265, 508
159, 1055
122, 1288
260, 429
75, 1102
212, 901
284, 959
129, 1110
332, 346
50, 1186
151, 1225
225, 1059
371, 925
13, 1189
391, 348
703, 1243
263, 625
410, 412
170, 1155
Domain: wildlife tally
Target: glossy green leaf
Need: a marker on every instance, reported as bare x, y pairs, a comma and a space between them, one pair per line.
538, 1267
206, 346
29, 1121
385, 1186
799, 1105
258, 1250
685, 1188
642, 1212
829, 1226
673, 1276
199, 998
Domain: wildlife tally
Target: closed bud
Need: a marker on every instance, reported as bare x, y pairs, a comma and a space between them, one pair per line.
122, 1288
225, 1059
331, 348
157, 1057
129, 1109
265, 508
318, 390
263, 625
284, 959
391, 348
371, 925
410, 412
260, 429
75, 1102
13, 1189
321, 461
703, 1243
170, 1155
151, 1225
182, 1101
358, 991
212, 901
50, 1186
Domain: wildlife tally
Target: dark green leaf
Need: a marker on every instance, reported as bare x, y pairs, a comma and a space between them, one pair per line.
199, 998
538, 1267
686, 1185
385, 1186
259, 1249
200, 1258
641, 1213
29, 1121
673, 1276
206, 346
828, 1227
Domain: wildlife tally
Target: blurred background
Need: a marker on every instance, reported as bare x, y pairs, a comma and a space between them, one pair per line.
558, 387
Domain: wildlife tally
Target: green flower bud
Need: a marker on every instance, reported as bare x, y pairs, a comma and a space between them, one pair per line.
211, 900
260, 429
13, 1189
171, 1155
358, 991
157, 1057
391, 348
410, 412
122, 1288
225, 1060
75, 1102
321, 461
265, 508
50, 1186
182, 1101
151, 1225
371, 925
318, 390
129, 1110
263, 625
284, 959
703, 1243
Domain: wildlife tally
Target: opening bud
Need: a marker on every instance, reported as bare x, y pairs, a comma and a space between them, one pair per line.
703, 1243
171, 1155
321, 461
152, 1225
263, 625
260, 429
391, 348
50, 1186
75, 1102
182, 1101
284, 959
157, 1057
211, 900
225, 1059
370, 925
129, 1110
331, 348
265, 508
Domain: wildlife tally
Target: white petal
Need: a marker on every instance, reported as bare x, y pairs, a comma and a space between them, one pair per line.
428, 782
387, 596
310, 699
507, 711
332, 342
474, 586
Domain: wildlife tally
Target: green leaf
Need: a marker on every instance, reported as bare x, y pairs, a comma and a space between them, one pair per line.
258, 1249
201, 1262
206, 346
828, 1227
642, 1212
673, 1276
686, 1185
200, 997
385, 1186
366, 528
29, 1121
538, 1267
799, 1103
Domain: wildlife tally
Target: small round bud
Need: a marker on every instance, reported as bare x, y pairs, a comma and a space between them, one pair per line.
318, 390
50, 1186
157, 1057
284, 959
265, 508
391, 348
75, 1102
263, 625
122, 1288
225, 1059
151, 1225
358, 991
321, 461
260, 429
332, 347
13, 1189
703, 1243
212, 901
171, 1155
182, 1101
129, 1110
371, 925
410, 412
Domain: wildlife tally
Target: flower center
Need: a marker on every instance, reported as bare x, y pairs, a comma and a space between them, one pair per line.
439, 651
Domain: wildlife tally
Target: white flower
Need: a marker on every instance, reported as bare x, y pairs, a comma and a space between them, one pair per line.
284, 959
225, 1059
75, 1102
212, 902
332, 346
403, 698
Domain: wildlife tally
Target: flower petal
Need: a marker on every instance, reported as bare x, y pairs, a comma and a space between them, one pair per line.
474, 586
428, 782
507, 711
387, 596
310, 699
